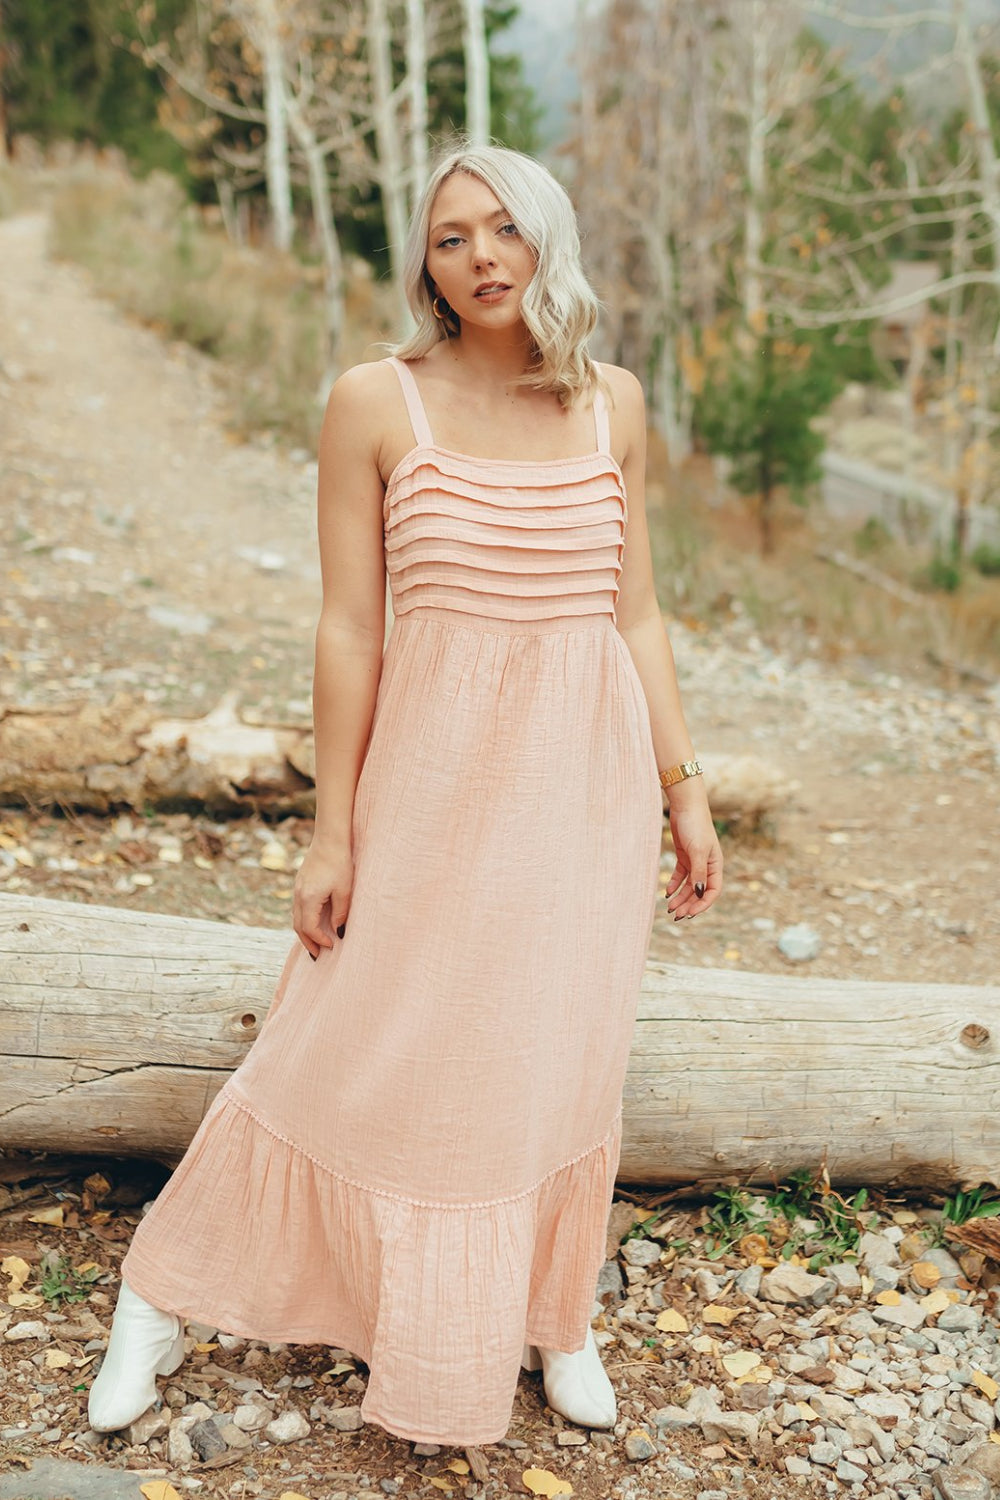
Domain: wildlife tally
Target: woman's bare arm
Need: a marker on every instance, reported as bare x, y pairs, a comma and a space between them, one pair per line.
349, 641
640, 623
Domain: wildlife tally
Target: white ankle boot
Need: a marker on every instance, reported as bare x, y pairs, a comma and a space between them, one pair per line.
576, 1385
144, 1343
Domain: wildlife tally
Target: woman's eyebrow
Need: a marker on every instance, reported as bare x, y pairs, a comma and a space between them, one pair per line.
501, 213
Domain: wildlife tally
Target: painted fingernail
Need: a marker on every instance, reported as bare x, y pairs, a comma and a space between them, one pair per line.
341, 929
314, 956
699, 889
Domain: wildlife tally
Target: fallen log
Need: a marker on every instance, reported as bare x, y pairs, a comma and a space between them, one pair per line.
117, 1028
103, 757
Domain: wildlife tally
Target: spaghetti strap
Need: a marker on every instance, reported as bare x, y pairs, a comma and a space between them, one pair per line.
415, 407
602, 425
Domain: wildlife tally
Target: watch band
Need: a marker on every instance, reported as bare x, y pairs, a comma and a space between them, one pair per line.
680, 773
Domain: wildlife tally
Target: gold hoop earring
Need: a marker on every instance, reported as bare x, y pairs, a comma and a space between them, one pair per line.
441, 316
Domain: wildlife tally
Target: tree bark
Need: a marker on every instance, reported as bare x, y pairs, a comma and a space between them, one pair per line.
416, 67
391, 175
266, 33
117, 1028
326, 230
477, 73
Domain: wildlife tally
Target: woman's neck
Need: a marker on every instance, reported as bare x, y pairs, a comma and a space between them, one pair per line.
491, 358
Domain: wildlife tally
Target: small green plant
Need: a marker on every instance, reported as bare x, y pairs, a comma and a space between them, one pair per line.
977, 1203
986, 560
870, 538
801, 1214
62, 1283
942, 575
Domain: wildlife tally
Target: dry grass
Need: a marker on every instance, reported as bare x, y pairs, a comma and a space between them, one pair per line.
257, 311
709, 568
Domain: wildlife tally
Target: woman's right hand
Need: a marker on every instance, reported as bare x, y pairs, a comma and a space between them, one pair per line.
322, 895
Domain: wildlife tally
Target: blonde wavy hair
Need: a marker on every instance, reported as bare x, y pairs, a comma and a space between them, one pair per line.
559, 306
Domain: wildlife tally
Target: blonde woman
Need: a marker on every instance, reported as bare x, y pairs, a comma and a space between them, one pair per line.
416, 1159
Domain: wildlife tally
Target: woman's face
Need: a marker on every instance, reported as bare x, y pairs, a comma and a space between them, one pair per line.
476, 257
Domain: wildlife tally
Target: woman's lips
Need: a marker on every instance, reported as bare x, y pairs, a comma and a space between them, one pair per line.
492, 293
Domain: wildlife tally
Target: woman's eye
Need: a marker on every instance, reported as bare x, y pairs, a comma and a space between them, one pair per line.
451, 239
509, 229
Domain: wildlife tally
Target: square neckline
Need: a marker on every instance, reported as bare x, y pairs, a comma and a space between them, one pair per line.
424, 438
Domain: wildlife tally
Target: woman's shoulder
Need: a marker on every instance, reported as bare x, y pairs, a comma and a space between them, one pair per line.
356, 386
625, 389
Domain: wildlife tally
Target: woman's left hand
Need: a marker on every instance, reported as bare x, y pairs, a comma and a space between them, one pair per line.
697, 877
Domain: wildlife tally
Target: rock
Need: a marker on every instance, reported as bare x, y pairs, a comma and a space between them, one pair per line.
976, 1409
826, 1454
800, 943
151, 1424
610, 1279
641, 1252
252, 1418
725, 1425
706, 1285
845, 1274
876, 1250
179, 1450
206, 1439
986, 1460
787, 1414
904, 1314
639, 1446
883, 1407
884, 1278
850, 1473
800, 1467
830, 1408
426, 1450
288, 1428
848, 1381
958, 1318
961, 1484
794, 1284
859, 1325
34, 1329
344, 1418
748, 1281
675, 1418
233, 1436
945, 1262
701, 1404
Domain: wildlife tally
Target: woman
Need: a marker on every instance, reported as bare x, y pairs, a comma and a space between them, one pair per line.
416, 1159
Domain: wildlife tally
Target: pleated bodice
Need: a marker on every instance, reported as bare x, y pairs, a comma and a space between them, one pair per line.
503, 539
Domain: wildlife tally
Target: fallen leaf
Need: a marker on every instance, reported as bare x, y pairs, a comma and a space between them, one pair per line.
342, 1367
25, 1299
867, 1285
87, 1265
713, 1313
442, 1484
740, 1362
704, 1344
97, 1184
205, 1348
672, 1321
753, 1246
50, 1216
888, 1299
905, 1216
292, 1495
459, 1466
544, 1482
935, 1301
986, 1384
925, 1274
806, 1411
17, 1269
57, 1359
159, 1489
995, 1437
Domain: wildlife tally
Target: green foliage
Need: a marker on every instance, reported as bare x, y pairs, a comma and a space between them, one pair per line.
942, 575
800, 1215
71, 74
757, 406
977, 1203
60, 1282
986, 560
870, 538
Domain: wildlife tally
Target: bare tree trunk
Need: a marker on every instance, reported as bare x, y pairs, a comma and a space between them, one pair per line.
390, 156
753, 233
416, 67
329, 241
477, 73
279, 185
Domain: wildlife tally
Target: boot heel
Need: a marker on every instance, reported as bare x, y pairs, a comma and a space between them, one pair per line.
530, 1358
174, 1357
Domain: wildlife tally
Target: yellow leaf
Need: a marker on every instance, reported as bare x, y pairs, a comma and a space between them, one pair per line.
158, 1489
544, 1482
935, 1301
442, 1484
292, 1495
806, 1410
713, 1313
17, 1269
986, 1384
459, 1466
51, 1216
87, 1265
905, 1216
57, 1359
205, 1348
97, 1184
995, 1437
888, 1299
925, 1274
25, 1299
672, 1321
704, 1344
740, 1362
866, 1284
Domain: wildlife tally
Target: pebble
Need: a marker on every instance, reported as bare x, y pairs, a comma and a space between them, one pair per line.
639, 1446
961, 1484
288, 1428
877, 1250
344, 1418
959, 1319
903, 1314
794, 1284
800, 943
641, 1252
33, 1329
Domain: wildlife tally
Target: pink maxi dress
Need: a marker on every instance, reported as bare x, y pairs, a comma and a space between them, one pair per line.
416, 1159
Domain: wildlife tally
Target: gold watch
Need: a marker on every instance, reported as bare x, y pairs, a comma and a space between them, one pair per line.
680, 773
